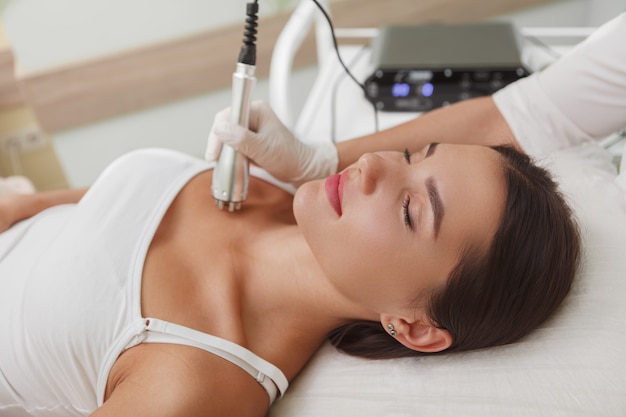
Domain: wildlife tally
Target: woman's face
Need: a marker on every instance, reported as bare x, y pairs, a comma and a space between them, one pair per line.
391, 227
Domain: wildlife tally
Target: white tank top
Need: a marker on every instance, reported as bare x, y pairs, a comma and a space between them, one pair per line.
70, 282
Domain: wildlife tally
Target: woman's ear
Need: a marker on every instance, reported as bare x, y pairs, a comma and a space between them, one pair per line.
425, 338
419, 335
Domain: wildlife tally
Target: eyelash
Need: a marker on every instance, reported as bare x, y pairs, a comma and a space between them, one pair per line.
407, 200
407, 156
405, 208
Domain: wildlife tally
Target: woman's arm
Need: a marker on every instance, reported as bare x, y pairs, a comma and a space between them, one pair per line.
475, 121
16, 207
167, 380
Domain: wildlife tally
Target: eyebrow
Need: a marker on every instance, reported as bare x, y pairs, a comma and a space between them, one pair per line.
435, 203
433, 193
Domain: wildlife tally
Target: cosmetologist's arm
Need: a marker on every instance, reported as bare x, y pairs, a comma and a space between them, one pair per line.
475, 121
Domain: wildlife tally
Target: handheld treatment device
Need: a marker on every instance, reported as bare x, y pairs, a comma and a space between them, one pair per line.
231, 174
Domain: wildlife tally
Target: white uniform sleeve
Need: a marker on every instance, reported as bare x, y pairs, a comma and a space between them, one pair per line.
580, 97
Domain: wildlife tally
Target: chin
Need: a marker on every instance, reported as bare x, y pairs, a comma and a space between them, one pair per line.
311, 215
306, 201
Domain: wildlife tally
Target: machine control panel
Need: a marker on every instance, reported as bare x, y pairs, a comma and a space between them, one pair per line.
422, 67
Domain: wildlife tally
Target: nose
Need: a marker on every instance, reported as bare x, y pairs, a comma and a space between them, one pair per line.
371, 167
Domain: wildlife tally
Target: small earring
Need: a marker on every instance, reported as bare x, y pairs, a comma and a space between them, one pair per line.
392, 332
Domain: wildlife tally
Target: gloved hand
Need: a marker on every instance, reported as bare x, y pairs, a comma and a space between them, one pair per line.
272, 146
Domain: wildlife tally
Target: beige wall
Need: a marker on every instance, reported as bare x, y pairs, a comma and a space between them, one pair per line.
18, 120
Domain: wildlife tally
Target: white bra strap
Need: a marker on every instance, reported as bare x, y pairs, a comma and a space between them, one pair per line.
266, 374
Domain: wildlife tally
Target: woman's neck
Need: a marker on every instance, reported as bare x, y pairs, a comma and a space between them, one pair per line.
289, 304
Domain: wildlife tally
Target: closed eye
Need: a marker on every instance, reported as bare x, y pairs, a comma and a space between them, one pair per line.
407, 156
408, 221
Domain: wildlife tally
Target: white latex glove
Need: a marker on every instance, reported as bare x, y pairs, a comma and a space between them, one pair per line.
272, 146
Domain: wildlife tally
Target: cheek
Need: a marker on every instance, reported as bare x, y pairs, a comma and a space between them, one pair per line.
365, 256
367, 238
360, 256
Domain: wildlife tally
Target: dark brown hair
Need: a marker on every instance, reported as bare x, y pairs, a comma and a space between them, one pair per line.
498, 297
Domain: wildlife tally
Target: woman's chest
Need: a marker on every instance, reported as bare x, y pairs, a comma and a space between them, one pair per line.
191, 271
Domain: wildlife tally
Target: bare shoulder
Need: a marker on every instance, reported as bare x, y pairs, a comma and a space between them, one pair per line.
172, 380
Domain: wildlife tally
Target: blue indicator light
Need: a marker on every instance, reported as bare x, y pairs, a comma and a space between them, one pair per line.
400, 90
427, 89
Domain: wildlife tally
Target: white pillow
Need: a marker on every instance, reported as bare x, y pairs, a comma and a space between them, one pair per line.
574, 365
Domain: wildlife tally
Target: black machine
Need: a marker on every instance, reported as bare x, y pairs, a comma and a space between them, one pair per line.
419, 68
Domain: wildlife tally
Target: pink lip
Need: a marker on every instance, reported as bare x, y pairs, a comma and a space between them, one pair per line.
334, 191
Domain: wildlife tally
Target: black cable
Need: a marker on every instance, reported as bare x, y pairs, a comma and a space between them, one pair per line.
332, 31
333, 103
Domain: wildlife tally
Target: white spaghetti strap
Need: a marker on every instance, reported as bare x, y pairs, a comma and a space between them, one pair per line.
266, 374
